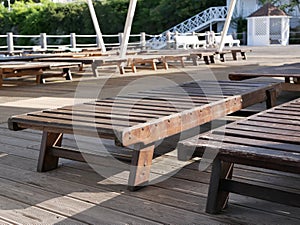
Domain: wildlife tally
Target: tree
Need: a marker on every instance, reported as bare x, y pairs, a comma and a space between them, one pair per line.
287, 6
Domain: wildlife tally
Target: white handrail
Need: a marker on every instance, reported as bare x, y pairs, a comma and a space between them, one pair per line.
195, 23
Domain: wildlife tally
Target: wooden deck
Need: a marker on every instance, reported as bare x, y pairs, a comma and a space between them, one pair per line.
76, 194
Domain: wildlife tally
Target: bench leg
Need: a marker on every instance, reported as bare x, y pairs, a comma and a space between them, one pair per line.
217, 199
140, 167
222, 57
206, 59
194, 59
67, 73
212, 58
182, 62
271, 98
153, 65
46, 161
133, 68
165, 63
243, 54
121, 69
94, 66
234, 55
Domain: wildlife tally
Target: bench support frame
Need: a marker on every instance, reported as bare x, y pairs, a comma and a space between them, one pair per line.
140, 167
221, 184
46, 160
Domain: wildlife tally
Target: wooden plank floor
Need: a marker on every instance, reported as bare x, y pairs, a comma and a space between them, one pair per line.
76, 194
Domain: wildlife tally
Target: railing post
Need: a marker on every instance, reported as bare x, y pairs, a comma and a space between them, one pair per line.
168, 37
98, 41
43, 40
10, 42
143, 40
73, 40
121, 35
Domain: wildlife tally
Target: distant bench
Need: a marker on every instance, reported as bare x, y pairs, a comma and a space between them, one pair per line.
187, 42
268, 140
234, 52
228, 40
19, 69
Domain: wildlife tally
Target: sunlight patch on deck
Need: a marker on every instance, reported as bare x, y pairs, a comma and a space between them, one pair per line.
43, 102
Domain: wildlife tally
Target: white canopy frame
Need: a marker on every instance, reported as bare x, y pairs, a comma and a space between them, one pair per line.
227, 23
96, 25
127, 28
129, 20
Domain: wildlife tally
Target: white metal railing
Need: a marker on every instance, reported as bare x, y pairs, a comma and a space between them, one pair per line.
196, 23
76, 41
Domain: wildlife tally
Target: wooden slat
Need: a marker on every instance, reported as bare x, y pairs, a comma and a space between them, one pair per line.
173, 124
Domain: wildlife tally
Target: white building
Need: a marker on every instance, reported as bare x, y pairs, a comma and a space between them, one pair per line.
268, 25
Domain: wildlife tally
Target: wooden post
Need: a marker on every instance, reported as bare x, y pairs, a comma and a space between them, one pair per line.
143, 40
10, 42
47, 161
140, 167
73, 40
43, 40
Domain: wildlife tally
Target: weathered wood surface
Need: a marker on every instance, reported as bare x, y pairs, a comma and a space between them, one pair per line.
178, 101
77, 192
270, 140
141, 119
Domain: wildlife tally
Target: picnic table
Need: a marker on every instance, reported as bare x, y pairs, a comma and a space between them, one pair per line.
141, 119
269, 140
19, 69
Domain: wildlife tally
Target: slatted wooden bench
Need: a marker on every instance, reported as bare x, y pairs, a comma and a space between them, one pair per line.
234, 52
94, 61
290, 73
270, 140
140, 119
176, 57
18, 69
146, 60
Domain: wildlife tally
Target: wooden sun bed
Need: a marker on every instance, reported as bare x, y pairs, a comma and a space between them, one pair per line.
290, 72
140, 119
94, 61
270, 140
209, 55
19, 69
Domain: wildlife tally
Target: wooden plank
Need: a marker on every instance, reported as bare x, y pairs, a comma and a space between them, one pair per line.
190, 202
29, 214
176, 123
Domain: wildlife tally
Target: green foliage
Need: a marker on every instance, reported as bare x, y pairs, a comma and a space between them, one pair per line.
152, 16
287, 7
